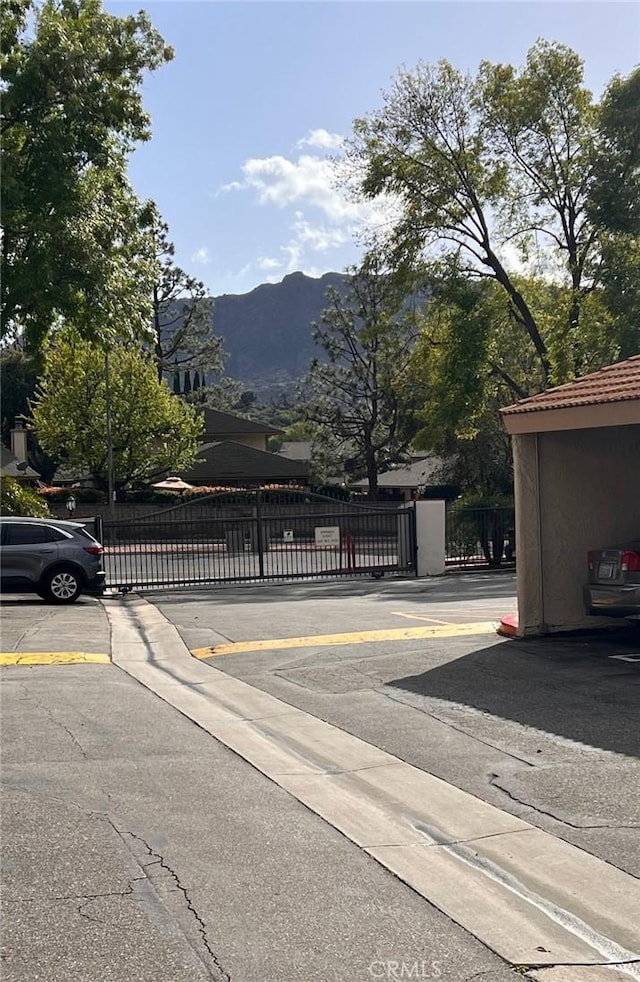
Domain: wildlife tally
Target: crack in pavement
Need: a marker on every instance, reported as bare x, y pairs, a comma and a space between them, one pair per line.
212, 963
41, 705
493, 781
156, 859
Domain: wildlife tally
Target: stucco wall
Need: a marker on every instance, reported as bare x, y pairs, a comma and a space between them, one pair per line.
575, 490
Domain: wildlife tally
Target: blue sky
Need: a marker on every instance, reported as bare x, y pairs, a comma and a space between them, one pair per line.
245, 117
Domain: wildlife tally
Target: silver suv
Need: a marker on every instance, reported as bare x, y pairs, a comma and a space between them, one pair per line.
58, 560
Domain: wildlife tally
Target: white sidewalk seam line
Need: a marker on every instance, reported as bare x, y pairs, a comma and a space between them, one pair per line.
558, 915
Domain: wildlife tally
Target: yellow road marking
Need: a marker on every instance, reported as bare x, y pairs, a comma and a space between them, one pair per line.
419, 617
357, 637
52, 658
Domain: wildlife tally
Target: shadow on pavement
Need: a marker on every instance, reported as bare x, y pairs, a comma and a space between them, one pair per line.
569, 686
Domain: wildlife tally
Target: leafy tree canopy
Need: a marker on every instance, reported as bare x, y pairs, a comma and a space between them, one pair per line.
508, 168
76, 240
153, 430
16, 499
182, 318
357, 396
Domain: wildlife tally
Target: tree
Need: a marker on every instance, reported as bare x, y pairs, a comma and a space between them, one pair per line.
357, 397
153, 430
472, 359
182, 318
16, 499
615, 203
484, 167
19, 374
76, 241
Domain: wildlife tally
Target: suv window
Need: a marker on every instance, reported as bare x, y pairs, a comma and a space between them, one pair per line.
23, 535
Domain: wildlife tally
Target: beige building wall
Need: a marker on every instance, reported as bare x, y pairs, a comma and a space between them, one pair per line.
575, 490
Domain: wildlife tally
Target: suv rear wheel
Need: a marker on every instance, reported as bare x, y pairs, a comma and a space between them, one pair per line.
62, 585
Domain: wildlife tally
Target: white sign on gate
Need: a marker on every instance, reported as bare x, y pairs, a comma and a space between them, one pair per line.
287, 535
328, 535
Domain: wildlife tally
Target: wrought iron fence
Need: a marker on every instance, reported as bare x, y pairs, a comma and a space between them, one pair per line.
480, 536
250, 536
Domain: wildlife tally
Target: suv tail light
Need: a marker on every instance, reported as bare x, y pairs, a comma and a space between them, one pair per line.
93, 550
630, 561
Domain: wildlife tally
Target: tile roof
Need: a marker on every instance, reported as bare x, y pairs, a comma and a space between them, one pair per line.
615, 383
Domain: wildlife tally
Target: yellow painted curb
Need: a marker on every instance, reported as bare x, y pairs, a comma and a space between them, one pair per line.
52, 658
357, 637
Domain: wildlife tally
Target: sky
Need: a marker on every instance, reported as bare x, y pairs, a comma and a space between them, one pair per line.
260, 95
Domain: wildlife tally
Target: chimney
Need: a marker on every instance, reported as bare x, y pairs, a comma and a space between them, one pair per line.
19, 438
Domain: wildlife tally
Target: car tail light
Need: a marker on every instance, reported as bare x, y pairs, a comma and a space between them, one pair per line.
630, 561
93, 550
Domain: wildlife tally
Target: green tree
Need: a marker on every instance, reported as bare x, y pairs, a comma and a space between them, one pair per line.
472, 359
19, 374
182, 318
493, 168
76, 242
615, 203
16, 499
153, 430
356, 395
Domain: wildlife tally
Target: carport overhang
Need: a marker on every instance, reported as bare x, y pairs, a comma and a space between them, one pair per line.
577, 478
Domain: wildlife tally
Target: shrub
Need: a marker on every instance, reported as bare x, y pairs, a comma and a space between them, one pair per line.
18, 499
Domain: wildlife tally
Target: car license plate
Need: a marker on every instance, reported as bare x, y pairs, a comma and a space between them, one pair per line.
606, 571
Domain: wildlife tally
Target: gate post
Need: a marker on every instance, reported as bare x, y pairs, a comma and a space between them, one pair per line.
430, 538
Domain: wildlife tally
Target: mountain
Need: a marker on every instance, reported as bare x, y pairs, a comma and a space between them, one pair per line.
267, 332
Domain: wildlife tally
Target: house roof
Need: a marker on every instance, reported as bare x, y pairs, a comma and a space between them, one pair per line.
226, 461
226, 424
296, 450
9, 466
412, 475
608, 397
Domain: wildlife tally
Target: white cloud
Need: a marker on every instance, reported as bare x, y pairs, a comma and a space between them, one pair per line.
282, 182
320, 219
201, 256
231, 186
322, 139
267, 262
319, 238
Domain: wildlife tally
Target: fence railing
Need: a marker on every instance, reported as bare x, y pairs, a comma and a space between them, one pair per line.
257, 540
479, 536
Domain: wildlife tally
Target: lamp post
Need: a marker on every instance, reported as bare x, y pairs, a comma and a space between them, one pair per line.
110, 478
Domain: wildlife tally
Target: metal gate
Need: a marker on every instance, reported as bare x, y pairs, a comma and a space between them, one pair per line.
248, 536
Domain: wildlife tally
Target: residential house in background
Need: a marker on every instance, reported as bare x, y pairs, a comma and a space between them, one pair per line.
220, 427
407, 481
235, 452
13, 463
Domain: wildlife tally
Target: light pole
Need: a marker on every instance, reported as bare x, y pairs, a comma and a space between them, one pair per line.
110, 480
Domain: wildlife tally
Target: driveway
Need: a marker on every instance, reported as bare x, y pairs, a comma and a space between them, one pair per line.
545, 729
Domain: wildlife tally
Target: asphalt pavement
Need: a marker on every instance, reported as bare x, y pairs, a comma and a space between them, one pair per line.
167, 856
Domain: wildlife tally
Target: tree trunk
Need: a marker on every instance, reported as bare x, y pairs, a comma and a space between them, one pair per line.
372, 472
